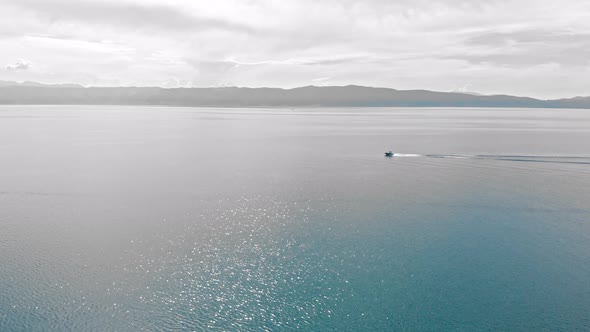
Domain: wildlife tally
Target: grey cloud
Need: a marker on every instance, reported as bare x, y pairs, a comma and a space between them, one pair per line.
307, 61
567, 57
527, 48
530, 36
210, 73
208, 65
64, 37
336, 60
18, 65
126, 14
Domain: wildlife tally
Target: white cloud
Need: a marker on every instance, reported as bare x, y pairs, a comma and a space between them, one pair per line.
18, 65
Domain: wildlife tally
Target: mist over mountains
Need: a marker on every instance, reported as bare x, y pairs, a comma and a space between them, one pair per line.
32, 93
37, 84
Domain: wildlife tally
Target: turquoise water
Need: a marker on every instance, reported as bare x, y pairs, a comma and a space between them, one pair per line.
162, 219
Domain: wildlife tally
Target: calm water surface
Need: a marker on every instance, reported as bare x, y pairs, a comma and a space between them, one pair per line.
166, 219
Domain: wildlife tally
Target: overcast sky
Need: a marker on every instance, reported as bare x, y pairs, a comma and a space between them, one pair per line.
539, 48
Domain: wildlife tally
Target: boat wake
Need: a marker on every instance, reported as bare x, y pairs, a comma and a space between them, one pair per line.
580, 160
407, 155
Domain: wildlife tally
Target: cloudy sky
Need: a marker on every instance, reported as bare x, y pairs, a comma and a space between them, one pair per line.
539, 48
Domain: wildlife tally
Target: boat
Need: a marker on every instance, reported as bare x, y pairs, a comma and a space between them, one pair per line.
389, 154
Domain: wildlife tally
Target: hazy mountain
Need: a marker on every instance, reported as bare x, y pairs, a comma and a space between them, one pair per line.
309, 96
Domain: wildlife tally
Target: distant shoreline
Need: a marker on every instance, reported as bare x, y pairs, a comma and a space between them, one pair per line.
305, 108
304, 97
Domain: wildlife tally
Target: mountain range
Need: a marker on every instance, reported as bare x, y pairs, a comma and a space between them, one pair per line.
32, 93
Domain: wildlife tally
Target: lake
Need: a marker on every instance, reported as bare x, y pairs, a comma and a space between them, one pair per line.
117, 218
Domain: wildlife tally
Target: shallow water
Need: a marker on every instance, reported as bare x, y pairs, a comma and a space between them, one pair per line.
161, 219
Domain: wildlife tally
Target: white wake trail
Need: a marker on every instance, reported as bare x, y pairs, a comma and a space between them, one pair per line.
406, 155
